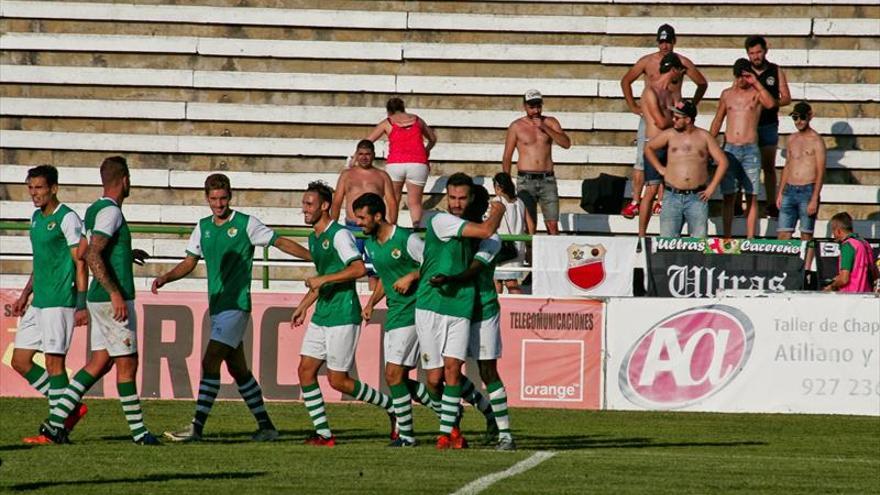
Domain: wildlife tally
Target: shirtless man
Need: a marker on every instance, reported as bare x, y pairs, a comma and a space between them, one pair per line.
802, 177
532, 136
357, 180
773, 79
687, 195
656, 103
649, 65
741, 104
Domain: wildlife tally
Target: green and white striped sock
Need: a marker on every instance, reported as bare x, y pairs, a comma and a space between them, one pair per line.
472, 396
451, 398
314, 402
403, 411
436, 404
80, 384
253, 396
370, 395
38, 378
57, 385
498, 398
131, 406
209, 387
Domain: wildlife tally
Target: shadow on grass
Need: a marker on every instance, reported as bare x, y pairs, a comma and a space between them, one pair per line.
23, 487
576, 442
287, 436
4, 448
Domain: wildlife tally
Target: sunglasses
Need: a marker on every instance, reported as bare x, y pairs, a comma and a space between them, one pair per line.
797, 116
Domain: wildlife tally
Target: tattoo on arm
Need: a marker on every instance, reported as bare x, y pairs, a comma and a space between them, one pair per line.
97, 244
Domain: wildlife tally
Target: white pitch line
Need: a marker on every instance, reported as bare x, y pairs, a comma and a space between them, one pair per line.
481, 484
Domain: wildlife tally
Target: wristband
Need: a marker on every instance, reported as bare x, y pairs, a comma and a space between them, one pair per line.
80, 300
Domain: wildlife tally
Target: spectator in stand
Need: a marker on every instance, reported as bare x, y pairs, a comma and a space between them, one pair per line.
516, 220
855, 268
407, 155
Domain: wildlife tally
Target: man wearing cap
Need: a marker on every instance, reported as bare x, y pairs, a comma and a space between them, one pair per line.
656, 104
773, 79
802, 177
649, 65
741, 104
532, 136
686, 172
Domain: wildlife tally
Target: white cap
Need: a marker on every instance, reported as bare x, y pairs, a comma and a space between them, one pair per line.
532, 95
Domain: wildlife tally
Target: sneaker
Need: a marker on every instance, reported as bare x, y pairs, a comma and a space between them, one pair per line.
444, 442
265, 435
658, 207
319, 441
630, 211
456, 440
38, 440
399, 442
505, 443
188, 434
75, 416
147, 439
491, 435
55, 435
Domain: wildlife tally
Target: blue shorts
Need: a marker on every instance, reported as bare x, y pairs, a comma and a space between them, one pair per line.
743, 169
652, 176
768, 134
360, 242
795, 200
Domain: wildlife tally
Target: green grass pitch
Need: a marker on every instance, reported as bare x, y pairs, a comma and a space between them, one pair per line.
596, 452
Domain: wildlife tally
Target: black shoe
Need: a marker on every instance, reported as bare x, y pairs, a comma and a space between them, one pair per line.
147, 439
57, 435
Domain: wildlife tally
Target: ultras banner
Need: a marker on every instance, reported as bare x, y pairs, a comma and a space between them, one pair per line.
801, 353
689, 267
552, 350
583, 266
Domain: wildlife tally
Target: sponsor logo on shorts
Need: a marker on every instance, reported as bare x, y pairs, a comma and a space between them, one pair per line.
426, 357
232, 232
51, 226
395, 253
586, 265
127, 342
687, 357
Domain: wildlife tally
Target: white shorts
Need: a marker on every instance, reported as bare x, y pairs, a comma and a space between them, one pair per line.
118, 338
227, 327
402, 346
48, 330
485, 339
441, 336
414, 173
336, 345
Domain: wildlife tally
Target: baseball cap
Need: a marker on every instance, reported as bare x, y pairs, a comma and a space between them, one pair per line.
802, 108
670, 61
742, 65
533, 96
685, 107
666, 33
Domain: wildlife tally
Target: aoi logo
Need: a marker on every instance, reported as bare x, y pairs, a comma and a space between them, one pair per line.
687, 357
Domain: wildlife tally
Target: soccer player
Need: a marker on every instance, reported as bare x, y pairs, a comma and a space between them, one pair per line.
111, 306
58, 283
335, 326
226, 241
397, 254
443, 311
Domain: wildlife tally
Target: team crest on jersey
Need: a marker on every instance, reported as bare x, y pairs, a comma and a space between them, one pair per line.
586, 265
51, 226
771, 81
326, 244
207, 234
395, 253
232, 231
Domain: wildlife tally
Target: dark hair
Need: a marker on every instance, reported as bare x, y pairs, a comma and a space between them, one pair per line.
478, 205
325, 192
843, 221
217, 181
505, 182
366, 144
372, 202
47, 172
460, 179
756, 40
113, 169
394, 105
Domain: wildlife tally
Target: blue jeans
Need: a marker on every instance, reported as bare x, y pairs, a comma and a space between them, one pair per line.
680, 208
744, 168
795, 200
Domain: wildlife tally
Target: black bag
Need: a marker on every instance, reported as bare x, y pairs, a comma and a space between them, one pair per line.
508, 252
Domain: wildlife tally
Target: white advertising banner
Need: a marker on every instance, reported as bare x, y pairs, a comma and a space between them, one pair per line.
583, 266
800, 353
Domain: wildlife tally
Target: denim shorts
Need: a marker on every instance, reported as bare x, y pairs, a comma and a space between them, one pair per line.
641, 139
652, 176
743, 170
768, 134
680, 208
535, 190
795, 200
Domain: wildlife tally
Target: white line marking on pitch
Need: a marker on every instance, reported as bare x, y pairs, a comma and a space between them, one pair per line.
481, 484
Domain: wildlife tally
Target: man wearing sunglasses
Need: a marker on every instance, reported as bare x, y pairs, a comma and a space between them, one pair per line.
801, 183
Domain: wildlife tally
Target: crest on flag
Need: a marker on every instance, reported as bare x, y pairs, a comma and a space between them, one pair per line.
586, 265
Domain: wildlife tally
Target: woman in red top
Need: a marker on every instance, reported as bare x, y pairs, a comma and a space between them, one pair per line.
407, 154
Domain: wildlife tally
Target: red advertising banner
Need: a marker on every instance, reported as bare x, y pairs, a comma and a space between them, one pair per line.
552, 350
